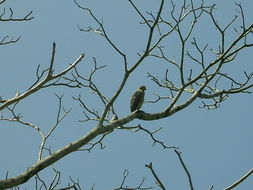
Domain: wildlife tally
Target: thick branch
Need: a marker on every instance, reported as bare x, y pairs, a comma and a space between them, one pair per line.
74, 146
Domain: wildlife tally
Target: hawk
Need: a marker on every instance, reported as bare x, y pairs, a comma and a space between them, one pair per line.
137, 99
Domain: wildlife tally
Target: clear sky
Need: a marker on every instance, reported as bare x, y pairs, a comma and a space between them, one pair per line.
216, 145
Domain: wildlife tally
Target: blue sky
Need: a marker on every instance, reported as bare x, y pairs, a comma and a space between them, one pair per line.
216, 144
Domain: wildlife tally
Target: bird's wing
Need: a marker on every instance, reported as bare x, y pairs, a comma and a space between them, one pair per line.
137, 100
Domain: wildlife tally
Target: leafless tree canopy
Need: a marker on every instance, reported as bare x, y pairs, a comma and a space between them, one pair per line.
203, 79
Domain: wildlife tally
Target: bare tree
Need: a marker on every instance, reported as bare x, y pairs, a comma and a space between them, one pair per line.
204, 79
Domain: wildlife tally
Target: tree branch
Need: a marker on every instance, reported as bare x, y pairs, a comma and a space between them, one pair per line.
39, 85
159, 182
185, 169
240, 180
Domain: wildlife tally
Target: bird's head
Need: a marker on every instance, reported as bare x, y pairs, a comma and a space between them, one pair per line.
142, 88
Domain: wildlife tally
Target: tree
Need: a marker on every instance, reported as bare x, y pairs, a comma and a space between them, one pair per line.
193, 68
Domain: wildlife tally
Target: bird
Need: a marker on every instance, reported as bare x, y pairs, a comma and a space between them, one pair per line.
137, 99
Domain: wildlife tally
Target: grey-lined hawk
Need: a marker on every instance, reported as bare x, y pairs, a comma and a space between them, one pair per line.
137, 99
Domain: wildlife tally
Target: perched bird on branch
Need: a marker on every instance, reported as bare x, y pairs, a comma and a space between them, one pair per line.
137, 99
